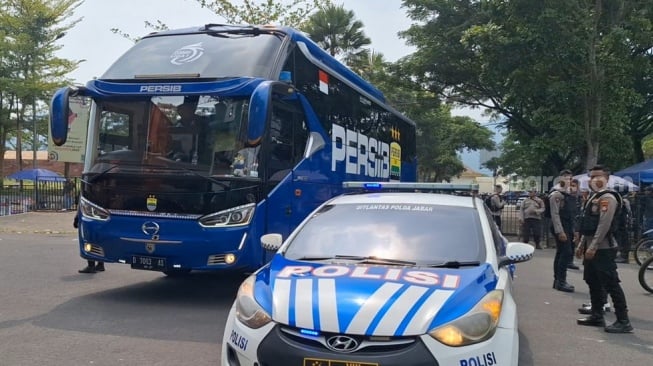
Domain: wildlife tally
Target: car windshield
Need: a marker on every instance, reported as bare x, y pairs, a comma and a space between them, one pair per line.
421, 233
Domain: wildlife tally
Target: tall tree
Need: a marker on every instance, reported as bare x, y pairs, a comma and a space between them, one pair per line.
29, 70
291, 13
557, 72
338, 32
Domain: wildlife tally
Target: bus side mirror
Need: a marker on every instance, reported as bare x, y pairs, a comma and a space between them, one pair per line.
61, 116
260, 106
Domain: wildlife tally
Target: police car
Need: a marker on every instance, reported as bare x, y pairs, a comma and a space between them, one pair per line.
386, 276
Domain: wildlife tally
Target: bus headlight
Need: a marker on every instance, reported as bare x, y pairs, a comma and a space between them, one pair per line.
92, 211
478, 325
248, 311
236, 216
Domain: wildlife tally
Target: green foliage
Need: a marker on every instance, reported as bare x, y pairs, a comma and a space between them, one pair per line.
559, 73
29, 70
291, 13
338, 32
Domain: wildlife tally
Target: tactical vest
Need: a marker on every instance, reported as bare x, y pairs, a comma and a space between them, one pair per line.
589, 219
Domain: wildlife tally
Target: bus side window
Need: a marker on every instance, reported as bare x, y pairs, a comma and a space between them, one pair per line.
288, 135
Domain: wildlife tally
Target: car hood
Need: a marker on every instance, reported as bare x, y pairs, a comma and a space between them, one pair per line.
368, 299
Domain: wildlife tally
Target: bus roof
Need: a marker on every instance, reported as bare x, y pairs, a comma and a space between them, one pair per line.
297, 36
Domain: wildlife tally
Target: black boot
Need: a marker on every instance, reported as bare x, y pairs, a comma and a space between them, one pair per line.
99, 267
88, 269
565, 287
594, 320
555, 284
620, 326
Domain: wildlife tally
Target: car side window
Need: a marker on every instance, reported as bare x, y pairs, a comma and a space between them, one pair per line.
497, 238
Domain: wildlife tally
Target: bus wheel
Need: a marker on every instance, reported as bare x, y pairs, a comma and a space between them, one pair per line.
177, 272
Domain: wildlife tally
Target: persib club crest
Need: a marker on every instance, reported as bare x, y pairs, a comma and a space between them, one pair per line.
151, 202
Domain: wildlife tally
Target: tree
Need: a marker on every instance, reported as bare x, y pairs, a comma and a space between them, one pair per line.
558, 72
293, 13
337, 31
29, 71
440, 136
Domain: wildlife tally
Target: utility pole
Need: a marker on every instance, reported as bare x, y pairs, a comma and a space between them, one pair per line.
35, 142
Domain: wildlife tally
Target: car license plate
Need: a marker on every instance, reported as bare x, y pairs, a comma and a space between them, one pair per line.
323, 362
149, 263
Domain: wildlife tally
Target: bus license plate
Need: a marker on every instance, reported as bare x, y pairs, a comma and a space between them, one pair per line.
149, 263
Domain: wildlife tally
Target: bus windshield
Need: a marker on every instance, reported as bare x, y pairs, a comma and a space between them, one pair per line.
195, 55
182, 147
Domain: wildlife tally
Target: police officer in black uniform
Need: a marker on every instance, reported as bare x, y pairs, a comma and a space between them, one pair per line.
562, 206
598, 247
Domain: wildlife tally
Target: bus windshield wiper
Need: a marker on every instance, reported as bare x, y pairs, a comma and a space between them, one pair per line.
100, 174
454, 264
224, 31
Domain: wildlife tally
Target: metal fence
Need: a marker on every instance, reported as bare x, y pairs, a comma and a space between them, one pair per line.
37, 196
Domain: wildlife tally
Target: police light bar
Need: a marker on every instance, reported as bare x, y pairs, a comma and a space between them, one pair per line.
406, 186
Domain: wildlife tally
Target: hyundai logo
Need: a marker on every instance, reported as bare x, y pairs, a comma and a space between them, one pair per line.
150, 228
342, 344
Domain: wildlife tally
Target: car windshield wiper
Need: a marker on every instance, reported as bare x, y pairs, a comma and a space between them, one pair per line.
454, 264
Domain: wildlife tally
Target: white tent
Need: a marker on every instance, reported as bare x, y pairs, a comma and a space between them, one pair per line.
617, 183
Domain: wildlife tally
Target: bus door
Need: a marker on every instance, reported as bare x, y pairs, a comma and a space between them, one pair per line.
284, 147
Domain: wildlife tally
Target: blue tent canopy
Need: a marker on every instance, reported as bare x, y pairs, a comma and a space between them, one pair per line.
640, 173
37, 175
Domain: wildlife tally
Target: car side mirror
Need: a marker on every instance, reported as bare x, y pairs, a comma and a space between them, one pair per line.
517, 252
271, 242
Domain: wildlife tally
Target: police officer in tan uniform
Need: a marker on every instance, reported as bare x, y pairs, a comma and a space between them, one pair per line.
530, 217
599, 248
562, 207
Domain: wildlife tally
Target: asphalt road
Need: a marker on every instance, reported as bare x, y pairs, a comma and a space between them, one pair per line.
51, 315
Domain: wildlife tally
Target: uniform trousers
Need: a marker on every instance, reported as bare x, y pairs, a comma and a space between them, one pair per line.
563, 257
601, 275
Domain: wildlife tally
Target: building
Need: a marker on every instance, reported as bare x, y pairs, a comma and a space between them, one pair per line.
10, 164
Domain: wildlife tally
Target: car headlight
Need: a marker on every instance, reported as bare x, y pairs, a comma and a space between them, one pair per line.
92, 211
248, 311
236, 216
476, 326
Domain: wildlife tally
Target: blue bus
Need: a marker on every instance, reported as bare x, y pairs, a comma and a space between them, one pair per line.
200, 140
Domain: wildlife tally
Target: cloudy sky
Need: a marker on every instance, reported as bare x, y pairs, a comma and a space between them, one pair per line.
91, 39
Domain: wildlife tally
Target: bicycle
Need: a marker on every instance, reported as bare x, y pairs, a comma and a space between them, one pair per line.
645, 275
644, 247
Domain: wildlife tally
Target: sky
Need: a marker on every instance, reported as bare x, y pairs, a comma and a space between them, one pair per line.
92, 41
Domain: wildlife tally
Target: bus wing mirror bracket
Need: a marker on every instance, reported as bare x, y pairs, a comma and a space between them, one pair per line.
60, 113
315, 143
260, 107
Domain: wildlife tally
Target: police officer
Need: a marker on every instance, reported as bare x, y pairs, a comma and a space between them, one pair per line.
562, 206
497, 205
530, 216
622, 235
598, 247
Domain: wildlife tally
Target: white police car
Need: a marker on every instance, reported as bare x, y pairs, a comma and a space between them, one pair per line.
382, 278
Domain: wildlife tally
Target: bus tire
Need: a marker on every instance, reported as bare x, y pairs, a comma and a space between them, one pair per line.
646, 275
177, 272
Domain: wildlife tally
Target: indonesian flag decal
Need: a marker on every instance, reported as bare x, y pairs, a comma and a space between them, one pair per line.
324, 81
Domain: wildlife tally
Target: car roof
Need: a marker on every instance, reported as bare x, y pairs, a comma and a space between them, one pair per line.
405, 198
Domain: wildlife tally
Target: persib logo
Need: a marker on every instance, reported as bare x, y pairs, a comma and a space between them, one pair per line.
359, 153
